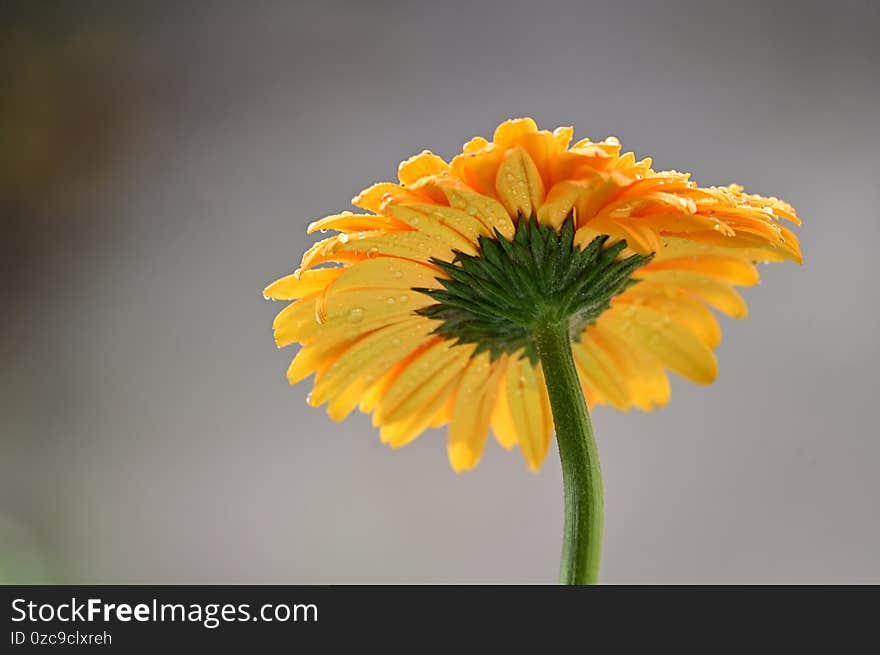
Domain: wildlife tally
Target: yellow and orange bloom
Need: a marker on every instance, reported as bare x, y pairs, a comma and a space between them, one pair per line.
362, 298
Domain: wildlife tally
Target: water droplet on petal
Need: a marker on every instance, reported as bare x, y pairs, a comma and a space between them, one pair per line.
355, 314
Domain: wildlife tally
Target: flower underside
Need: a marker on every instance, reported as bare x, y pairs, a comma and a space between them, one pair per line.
486, 242
498, 298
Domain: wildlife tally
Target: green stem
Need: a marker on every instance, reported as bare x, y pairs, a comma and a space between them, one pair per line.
581, 477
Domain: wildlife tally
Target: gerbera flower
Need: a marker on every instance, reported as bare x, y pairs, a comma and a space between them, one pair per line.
461, 294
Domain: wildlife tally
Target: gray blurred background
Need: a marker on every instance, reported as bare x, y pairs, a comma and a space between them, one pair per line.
158, 167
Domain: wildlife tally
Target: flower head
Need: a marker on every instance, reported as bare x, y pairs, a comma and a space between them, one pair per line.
419, 311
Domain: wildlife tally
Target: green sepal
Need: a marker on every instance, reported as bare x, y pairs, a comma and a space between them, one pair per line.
499, 297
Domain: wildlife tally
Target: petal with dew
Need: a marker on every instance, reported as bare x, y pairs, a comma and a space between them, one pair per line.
674, 345
414, 245
349, 222
458, 228
731, 270
518, 184
421, 165
503, 427
510, 131
424, 376
524, 388
719, 295
472, 411
384, 272
647, 383
679, 306
371, 357
487, 210
402, 432
597, 367
301, 283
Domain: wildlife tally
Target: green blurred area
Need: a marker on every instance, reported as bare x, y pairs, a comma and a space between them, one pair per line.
23, 560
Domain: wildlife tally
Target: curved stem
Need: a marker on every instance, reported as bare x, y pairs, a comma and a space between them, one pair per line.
581, 477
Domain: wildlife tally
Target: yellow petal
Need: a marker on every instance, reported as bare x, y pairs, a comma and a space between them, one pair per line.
478, 169
421, 165
507, 133
645, 378
331, 250
301, 283
349, 394
790, 244
362, 310
503, 426
467, 225
296, 322
383, 272
472, 411
731, 270
349, 222
599, 370
719, 295
444, 413
674, 248
579, 163
597, 188
372, 198
671, 343
421, 380
474, 145
744, 241
402, 432
315, 356
563, 136
527, 407
559, 202
487, 210
518, 183
639, 237
373, 394
413, 244
345, 315
372, 356
543, 148
679, 306
684, 223
428, 223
